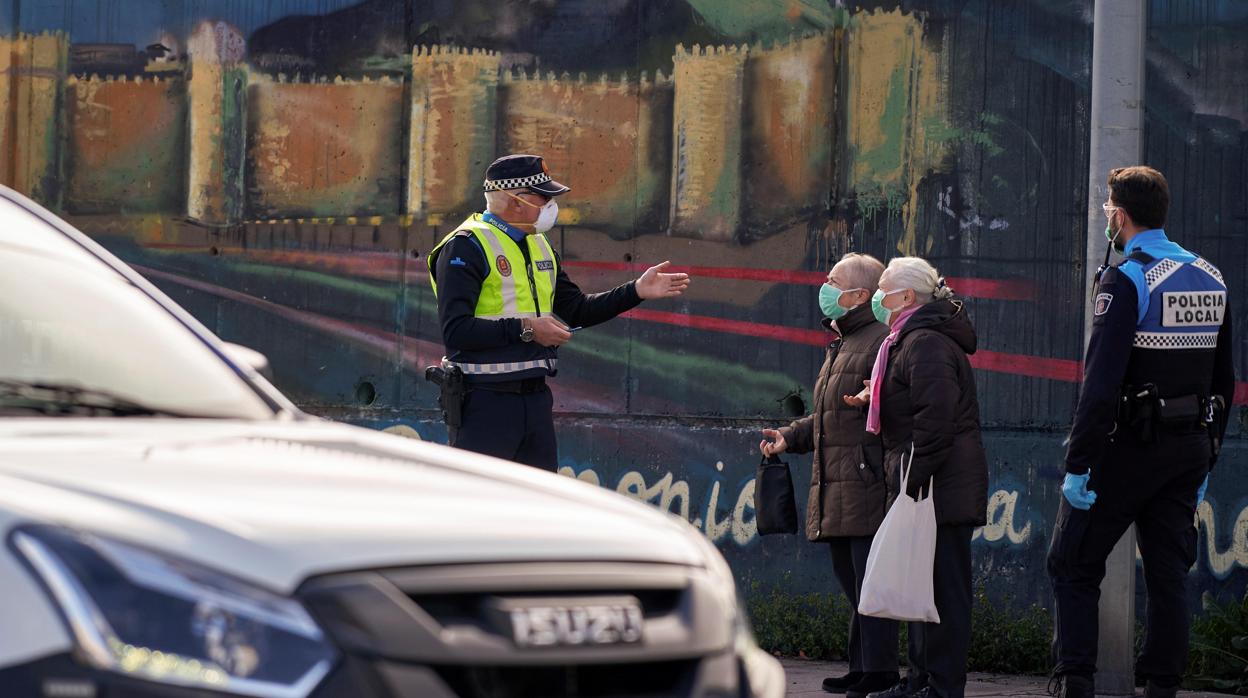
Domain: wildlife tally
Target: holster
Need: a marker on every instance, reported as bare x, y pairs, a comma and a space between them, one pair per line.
1143, 412
1137, 412
450, 380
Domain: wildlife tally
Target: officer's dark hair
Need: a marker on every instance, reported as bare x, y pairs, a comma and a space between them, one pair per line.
1142, 192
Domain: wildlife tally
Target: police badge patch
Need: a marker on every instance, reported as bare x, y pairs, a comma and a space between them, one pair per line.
1102, 303
504, 267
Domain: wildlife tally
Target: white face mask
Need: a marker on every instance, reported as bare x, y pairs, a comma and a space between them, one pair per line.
546, 219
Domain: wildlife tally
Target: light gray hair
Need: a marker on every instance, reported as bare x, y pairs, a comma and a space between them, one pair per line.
858, 271
495, 201
916, 274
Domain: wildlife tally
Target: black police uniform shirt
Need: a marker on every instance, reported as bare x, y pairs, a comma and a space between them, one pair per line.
1121, 297
461, 269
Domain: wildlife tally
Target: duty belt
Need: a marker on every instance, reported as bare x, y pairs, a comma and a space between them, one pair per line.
500, 369
1142, 411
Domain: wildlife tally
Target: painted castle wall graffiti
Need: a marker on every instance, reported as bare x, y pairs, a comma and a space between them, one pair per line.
281, 168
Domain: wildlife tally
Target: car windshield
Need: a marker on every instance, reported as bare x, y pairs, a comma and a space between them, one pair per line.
78, 339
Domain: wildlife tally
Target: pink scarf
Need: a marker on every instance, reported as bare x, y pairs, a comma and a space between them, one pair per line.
881, 363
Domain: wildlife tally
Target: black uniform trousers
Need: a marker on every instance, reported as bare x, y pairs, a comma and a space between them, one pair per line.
872, 641
937, 651
516, 424
1154, 487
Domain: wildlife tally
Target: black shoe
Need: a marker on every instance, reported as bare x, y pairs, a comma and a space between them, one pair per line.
1152, 690
1072, 686
873, 682
903, 689
842, 684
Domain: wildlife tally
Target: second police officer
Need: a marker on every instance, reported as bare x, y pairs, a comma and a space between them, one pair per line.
1158, 377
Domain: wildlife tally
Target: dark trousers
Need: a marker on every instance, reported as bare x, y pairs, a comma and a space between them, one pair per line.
514, 426
872, 641
1153, 487
938, 650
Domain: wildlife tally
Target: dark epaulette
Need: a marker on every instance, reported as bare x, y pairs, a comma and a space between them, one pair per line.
1140, 256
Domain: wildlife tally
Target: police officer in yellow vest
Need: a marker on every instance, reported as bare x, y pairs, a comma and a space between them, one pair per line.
506, 306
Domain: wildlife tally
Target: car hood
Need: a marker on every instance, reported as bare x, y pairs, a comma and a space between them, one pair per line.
275, 503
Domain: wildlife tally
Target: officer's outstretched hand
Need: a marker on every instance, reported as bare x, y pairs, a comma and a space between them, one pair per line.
657, 283
1075, 489
549, 332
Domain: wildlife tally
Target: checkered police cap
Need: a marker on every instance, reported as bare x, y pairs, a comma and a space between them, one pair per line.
522, 172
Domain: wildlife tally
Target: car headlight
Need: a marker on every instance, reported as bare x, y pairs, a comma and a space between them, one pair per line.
159, 618
762, 675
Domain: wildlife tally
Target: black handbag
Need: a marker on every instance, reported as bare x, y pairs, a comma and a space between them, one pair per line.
775, 510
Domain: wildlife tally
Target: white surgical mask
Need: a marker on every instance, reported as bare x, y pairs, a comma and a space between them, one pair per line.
546, 219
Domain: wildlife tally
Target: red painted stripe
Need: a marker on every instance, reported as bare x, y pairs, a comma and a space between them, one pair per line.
783, 276
996, 289
385, 265
796, 335
415, 353
1017, 364
1066, 370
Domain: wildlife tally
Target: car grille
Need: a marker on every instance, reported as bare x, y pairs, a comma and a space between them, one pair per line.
436, 624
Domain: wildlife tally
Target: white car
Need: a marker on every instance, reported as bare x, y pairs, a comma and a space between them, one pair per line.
173, 526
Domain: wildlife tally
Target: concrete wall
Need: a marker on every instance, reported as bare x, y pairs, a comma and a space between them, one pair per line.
32, 78
127, 143
751, 147
602, 134
324, 148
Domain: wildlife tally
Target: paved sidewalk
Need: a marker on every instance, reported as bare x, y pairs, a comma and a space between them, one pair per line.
806, 678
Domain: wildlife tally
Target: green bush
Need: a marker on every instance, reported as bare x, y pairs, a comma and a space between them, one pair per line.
1004, 639
1218, 660
805, 625
1010, 639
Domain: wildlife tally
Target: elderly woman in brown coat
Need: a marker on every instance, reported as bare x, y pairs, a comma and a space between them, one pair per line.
924, 405
847, 492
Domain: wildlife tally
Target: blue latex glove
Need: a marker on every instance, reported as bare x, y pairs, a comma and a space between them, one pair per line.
1200, 493
1075, 489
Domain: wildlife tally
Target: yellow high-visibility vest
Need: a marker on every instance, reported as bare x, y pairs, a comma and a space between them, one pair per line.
513, 288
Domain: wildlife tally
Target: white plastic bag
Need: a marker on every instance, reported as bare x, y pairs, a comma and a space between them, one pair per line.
899, 583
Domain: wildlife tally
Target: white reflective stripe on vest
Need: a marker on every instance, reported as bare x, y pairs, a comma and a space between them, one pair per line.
509, 367
508, 281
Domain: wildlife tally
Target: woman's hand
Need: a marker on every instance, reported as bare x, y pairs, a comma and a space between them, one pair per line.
862, 399
775, 446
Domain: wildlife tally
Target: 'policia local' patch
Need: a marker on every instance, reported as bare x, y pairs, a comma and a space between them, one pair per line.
545, 265
1192, 308
1102, 303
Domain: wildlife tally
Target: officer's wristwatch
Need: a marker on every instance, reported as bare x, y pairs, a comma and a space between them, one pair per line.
526, 335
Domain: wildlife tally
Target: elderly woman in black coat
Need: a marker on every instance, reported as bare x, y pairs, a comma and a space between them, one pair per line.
922, 400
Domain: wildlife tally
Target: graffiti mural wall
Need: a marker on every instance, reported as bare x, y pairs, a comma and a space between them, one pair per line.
281, 168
